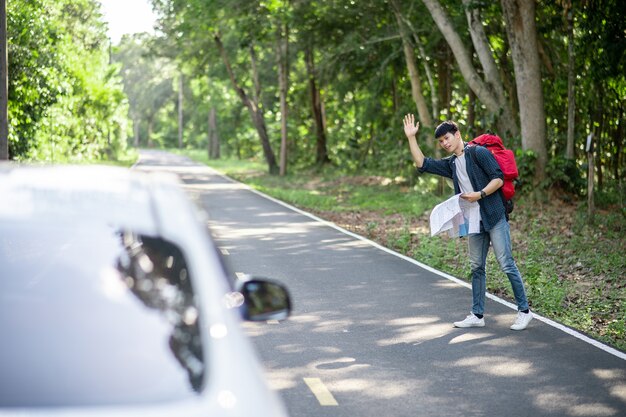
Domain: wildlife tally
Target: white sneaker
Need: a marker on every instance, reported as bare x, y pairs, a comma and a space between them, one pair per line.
522, 320
470, 321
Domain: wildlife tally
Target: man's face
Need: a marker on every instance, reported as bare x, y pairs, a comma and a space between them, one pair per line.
450, 141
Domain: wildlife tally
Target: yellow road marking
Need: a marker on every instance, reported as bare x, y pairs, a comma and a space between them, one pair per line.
320, 391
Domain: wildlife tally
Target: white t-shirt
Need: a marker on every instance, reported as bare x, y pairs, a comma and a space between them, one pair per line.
471, 211
461, 173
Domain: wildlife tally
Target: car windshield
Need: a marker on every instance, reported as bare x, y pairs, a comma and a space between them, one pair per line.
92, 315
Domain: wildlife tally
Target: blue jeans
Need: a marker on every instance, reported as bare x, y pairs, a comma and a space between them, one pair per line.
500, 238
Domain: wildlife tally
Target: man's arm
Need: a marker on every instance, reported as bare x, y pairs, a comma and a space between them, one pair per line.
489, 189
410, 130
423, 164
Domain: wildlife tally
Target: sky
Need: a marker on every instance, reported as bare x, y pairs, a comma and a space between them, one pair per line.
127, 16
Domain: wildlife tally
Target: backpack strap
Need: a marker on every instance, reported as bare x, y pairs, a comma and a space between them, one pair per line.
472, 151
508, 206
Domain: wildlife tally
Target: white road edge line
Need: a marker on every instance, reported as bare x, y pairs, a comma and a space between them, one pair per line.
549, 322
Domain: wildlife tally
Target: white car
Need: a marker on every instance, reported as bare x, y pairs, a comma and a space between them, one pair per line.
114, 301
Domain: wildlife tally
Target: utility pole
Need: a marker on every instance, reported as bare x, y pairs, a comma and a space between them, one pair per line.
591, 208
4, 84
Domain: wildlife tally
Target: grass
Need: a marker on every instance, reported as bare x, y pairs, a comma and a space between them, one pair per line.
230, 166
127, 159
574, 272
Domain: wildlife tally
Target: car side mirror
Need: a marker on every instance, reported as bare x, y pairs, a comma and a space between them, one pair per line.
264, 300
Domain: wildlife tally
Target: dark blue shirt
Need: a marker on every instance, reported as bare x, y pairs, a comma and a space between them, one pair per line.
491, 207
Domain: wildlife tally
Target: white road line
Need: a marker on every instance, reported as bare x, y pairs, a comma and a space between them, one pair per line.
224, 251
240, 275
320, 391
547, 321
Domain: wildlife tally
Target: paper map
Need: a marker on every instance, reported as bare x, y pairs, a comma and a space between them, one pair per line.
456, 216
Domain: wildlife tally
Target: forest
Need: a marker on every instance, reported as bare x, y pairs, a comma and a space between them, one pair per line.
317, 87
305, 84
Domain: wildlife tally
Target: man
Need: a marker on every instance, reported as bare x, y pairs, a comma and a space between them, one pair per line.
476, 183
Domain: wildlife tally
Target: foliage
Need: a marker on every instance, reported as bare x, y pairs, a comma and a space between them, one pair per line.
65, 101
361, 72
149, 86
564, 175
600, 68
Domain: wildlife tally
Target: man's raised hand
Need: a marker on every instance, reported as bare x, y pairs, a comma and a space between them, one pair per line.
410, 126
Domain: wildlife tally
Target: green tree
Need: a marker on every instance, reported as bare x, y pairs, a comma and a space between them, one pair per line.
65, 101
242, 23
148, 83
355, 68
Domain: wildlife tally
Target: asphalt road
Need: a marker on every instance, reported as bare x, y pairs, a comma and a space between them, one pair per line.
371, 332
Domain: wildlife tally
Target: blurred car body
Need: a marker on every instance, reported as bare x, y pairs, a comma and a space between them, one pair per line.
114, 300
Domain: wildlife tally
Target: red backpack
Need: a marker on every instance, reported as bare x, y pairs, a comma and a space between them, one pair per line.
505, 159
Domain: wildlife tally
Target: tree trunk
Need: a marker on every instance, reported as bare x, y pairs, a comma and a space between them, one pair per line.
4, 84
409, 57
618, 135
590, 179
259, 119
395, 97
571, 77
601, 133
180, 111
150, 125
482, 89
321, 155
256, 113
368, 147
591, 208
520, 26
136, 127
471, 115
214, 140
209, 137
283, 86
429, 77
259, 124
492, 74
434, 93
444, 76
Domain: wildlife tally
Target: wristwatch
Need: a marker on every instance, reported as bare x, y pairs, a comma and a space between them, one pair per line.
482, 194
